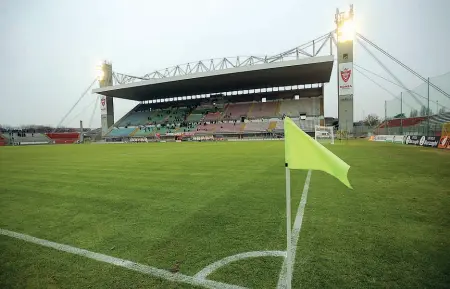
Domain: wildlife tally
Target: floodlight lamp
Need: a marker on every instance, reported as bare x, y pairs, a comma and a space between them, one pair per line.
346, 30
100, 74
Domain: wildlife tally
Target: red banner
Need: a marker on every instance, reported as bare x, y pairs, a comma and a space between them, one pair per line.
444, 142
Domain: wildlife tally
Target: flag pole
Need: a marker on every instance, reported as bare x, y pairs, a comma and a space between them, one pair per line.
288, 228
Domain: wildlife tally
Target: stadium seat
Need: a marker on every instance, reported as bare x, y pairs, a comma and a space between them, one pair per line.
144, 132
279, 125
236, 110
294, 108
272, 125
28, 138
177, 115
186, 129
135, 119
164, 130
194, 117
263, 110
121, 132
440, 118
64, 138
203, 109
157, 116
213, 116
141, 118
405, 122
256, 126
206, 128
228, 127
307, 125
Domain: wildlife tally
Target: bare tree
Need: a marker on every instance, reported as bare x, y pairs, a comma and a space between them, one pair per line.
413, 113
424, 111
372, 120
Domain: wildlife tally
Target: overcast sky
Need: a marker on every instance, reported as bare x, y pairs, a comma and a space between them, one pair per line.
49, 48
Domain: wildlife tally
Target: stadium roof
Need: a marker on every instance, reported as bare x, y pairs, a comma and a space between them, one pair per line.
294, 72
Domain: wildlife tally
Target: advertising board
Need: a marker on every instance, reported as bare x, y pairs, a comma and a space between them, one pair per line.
422, 140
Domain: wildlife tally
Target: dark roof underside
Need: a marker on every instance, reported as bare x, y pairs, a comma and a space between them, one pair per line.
295, 72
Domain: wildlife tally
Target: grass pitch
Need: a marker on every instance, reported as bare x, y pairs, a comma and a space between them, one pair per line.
197, 203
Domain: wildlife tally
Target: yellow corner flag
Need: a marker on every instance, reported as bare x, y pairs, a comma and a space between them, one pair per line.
304, 153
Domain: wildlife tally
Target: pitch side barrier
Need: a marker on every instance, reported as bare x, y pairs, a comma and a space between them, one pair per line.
416, 140
390, 138
422, 140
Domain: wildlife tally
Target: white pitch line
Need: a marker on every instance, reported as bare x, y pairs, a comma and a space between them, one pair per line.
225, 261
295, 233
163, 274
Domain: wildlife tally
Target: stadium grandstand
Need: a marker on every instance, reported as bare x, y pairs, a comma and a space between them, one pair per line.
251, 102
254, 113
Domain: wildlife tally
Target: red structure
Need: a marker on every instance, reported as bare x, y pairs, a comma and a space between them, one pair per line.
64, 138
405, 122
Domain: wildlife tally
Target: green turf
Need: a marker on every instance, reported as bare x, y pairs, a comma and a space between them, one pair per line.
27, 265
200, 202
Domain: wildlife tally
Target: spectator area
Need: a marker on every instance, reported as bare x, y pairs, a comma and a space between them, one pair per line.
195, 117
263, 110
306, 124
256, 126
440, 118
64, 138
235, 111
213, 117
144, 131
293, 108
135, 118
228, 127
121, 132
26, 138
405, 122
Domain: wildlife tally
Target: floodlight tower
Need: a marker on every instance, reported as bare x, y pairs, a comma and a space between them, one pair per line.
345, 31
104, 76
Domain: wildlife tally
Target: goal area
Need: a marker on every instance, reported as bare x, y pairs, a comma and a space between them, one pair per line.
324, 134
